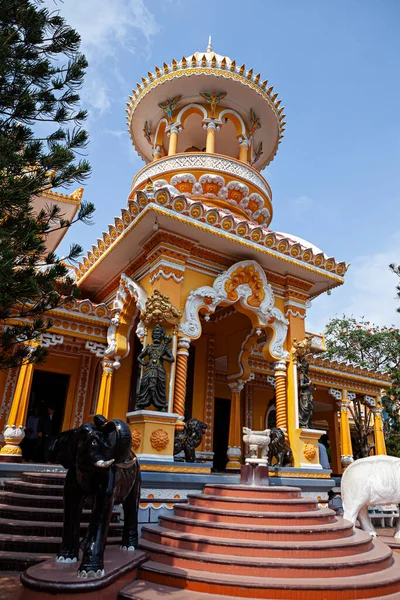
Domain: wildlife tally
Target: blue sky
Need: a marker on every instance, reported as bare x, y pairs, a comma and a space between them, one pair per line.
335, 64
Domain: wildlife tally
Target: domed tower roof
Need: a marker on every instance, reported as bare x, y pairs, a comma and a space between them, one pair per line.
188, 81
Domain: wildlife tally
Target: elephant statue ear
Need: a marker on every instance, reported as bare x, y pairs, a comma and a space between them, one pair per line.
119, 438
63, 448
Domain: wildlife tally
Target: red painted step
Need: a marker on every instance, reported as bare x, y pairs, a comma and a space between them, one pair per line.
323, 531
145, 590
359, 542
253, 504
245, 491
369, 585
243, 542
323, 515
376, 559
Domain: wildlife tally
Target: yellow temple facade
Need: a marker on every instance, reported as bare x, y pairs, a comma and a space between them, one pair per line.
193, 250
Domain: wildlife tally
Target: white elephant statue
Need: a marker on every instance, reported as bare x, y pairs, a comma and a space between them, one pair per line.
369, 481
255, 440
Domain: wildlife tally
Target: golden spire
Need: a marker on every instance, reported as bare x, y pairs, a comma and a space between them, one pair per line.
209, 47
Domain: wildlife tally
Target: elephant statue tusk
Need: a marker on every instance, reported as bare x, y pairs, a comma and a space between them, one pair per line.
104, 463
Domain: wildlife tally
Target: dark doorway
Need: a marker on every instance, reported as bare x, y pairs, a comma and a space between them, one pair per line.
222, 413
49, 390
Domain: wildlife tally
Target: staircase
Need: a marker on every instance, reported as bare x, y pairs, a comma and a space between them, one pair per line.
31, 515
261, 542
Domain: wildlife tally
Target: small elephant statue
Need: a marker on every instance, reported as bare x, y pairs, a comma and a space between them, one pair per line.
279, 449
255, 440
101, 465
189, 439
370, 481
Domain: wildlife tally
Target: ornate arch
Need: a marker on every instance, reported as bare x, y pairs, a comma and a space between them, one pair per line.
244, 283
159, 135
129, 301
189, 109
236, 119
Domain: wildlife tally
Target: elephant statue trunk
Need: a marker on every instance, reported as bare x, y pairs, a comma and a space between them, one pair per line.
101, 465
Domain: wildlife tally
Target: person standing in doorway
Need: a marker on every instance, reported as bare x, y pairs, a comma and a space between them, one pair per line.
47, 430
30, 442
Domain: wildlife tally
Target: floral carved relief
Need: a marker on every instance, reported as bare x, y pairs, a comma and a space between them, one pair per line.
159, 439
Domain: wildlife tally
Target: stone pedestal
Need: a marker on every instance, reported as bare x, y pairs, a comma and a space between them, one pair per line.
51, 577
308, 450
254, 474
153, 434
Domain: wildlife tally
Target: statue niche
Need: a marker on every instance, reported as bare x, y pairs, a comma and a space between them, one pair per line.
306, 401
152, 387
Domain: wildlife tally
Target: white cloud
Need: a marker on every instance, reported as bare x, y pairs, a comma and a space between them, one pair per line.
107, 28
105, 25
369, 291
302, 203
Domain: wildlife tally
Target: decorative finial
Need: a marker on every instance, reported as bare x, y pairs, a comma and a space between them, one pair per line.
209, 47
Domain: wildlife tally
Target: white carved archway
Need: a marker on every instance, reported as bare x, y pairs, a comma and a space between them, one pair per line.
129, 301
265, 312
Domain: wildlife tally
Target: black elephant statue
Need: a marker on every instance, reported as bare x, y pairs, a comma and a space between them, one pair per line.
189, 439
279, 449
101, 465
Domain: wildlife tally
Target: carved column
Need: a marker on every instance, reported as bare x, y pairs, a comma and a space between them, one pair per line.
234, 452
280, 393
173, 140
103, 402
14, 430
243, 149
380, 445
182, 356
210, 138
346, 448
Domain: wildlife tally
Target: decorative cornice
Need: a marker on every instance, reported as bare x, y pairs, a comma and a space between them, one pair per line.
218, 221
209, 162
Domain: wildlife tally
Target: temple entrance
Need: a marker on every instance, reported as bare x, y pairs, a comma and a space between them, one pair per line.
49, 390
222, 413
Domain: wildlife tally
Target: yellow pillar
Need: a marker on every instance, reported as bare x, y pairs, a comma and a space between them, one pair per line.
182, 356
346, 448
210, 138
380, 446
280, 393
14, 430
157, 153
173, 140
234, 452
103, 402
243, 149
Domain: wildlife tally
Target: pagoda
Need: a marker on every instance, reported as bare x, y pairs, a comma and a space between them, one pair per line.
193, 250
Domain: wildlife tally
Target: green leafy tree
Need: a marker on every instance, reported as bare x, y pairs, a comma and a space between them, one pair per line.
41, 145
377, 349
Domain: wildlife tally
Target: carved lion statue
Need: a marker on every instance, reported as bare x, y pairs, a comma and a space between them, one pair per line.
279, 449
189, 439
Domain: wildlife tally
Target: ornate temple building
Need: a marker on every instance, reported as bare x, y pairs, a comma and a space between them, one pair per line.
192, 267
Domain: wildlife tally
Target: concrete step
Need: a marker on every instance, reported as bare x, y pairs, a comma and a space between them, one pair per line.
323, 515
253, 504
37, 544
322, 531
44, 478
247, 491
33, 489
30, 513
45, 528
370, 585
19, 561
359, 542
379, 557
